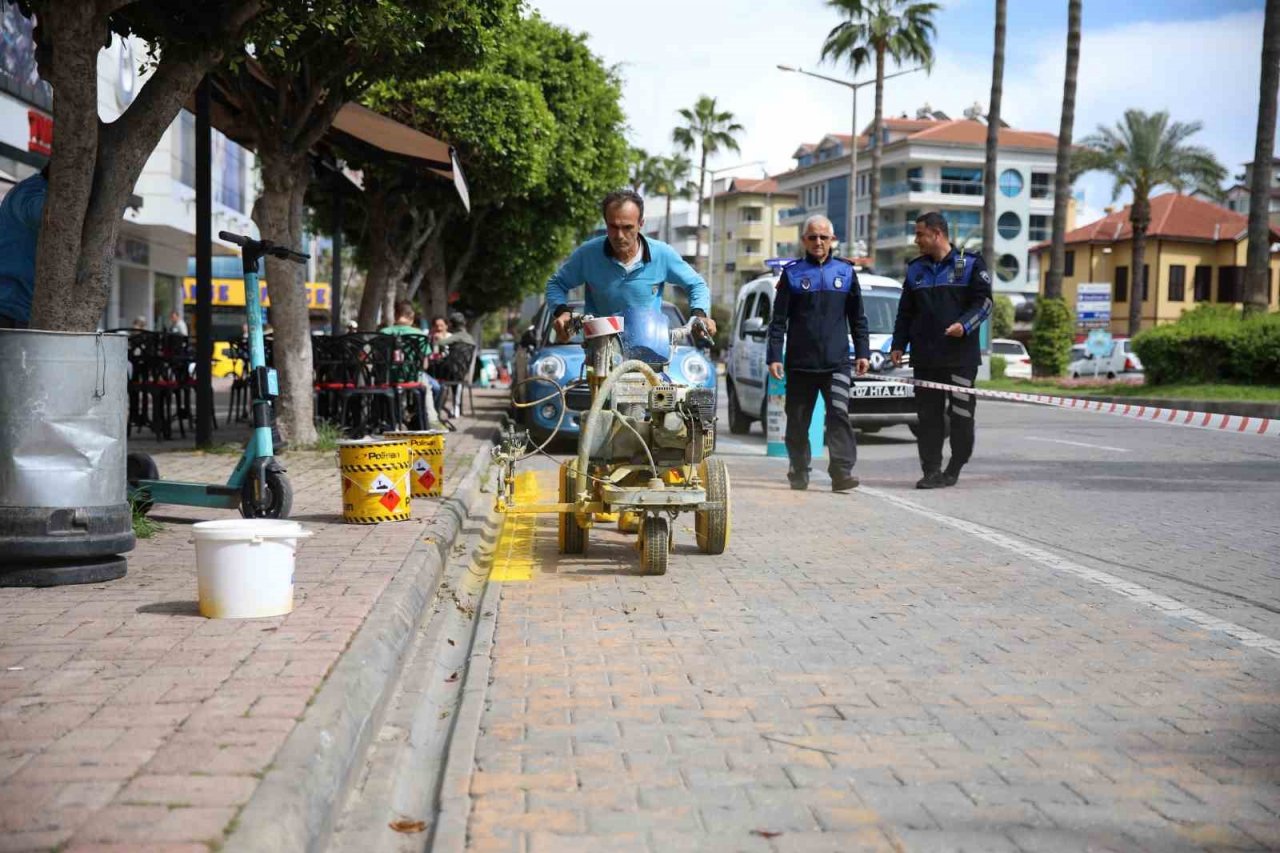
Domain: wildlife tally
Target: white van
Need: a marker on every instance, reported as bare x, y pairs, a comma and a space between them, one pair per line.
873, 405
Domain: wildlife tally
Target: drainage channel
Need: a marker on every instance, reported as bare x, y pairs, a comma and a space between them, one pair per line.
393, 804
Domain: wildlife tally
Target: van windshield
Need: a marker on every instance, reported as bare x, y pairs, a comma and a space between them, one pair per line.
881, 307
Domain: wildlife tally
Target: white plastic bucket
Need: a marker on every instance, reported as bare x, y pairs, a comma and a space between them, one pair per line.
244, 566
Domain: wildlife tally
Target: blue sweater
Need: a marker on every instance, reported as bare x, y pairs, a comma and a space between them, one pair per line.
20, 214
611, 289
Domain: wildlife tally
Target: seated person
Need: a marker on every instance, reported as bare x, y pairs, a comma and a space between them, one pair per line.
404, 325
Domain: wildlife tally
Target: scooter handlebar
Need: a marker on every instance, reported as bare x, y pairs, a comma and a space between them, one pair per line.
237, 239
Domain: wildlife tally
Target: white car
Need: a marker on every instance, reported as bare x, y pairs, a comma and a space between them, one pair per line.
1120, 360
1017, 361
874, 404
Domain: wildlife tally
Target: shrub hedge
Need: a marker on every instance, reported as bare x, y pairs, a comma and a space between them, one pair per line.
1213, 343
1002, 317
1051, 337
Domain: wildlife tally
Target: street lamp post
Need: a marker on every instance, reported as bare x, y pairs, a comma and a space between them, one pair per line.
853, 140
711, 241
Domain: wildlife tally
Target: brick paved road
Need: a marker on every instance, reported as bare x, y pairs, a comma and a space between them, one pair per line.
887, 681
128, 719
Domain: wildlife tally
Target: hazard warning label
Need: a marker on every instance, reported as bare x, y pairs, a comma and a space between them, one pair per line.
426, 477
390, 500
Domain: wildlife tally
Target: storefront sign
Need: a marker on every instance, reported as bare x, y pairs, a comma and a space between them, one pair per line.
230, 292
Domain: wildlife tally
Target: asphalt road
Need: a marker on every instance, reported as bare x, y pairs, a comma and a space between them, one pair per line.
1187, 513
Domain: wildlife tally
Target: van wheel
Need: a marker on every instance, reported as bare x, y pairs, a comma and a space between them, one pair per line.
739, 423
1111, 374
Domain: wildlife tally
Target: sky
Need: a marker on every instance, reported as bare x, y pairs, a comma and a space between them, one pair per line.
1197, 59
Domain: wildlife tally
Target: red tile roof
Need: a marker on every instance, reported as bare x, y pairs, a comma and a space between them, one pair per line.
1173, 217
759, 186
970, 132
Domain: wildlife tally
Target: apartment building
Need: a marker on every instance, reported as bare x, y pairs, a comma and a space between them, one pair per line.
1195, 252
1238, 195
933, 162
682, 232
745, 232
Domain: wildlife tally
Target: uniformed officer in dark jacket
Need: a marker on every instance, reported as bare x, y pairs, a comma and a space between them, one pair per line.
945, 299
817, 305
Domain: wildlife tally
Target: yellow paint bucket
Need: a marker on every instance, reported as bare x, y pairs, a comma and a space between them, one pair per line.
375, 480
426, 460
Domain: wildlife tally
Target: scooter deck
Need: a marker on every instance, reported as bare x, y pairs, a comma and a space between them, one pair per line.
190, 494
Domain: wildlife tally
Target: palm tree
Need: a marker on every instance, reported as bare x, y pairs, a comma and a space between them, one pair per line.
641, 166
671, 180
874, 29
1062, 177
1257, 278
993, 140
709, 130
1144, 152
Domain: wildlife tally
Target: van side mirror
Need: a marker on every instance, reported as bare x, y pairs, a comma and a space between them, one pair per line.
754, 326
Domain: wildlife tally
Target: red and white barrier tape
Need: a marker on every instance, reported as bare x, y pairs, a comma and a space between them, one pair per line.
1248, 425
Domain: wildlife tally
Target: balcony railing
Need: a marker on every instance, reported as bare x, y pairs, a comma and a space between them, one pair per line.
792, 212
943, 187
895, 230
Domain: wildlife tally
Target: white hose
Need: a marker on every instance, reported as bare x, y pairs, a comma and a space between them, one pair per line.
590, 425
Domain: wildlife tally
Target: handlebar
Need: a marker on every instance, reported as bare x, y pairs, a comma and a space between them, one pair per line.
693, 332
258, 248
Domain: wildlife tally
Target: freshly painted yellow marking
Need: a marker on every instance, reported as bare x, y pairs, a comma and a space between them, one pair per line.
513, 557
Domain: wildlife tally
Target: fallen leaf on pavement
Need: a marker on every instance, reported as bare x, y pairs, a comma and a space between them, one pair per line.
451, 678
765, 833
405, 825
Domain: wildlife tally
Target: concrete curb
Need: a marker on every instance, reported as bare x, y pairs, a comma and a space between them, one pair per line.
1218, 407
302, 794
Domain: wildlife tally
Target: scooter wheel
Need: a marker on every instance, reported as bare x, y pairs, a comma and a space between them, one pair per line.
272, 499
140, 466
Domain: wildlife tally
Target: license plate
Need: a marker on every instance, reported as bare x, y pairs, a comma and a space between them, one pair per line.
877, 389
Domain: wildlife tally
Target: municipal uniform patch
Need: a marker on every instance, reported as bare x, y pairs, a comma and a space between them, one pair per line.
839, 282
985, 276
804, 283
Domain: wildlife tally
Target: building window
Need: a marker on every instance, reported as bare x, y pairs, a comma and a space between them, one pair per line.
1203, 284
1011, 182
1229, 283
1122, 285
961, 181
1009, 225
1177, 283
184, 149
1007, 267
1038, 231
1069, 262
228, 159
915, 179
1041, 185
962, 224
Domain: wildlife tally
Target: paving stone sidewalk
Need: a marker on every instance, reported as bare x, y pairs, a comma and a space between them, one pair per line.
852, 677
130, 722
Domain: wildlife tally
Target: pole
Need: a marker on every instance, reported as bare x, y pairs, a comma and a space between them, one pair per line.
204, 270
711, 244
335, 288
853, 173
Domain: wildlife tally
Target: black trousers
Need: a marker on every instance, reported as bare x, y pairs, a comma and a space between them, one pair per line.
802, 395
935, 406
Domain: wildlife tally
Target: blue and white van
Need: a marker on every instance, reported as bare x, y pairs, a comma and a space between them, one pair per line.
873, 404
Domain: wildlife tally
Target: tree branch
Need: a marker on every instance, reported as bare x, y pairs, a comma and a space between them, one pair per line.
464, 260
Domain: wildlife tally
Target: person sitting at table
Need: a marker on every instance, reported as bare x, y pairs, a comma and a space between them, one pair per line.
405, 324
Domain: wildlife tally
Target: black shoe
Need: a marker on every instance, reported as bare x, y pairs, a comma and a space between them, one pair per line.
843, 482
949, 477
932, 480
798, 484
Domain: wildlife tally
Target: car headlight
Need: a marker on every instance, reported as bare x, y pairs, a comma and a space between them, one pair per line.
549, 367
695, 368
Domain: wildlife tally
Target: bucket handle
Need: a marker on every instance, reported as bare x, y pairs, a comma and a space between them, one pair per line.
259, 538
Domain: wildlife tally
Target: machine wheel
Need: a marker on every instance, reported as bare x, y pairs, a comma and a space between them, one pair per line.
711, 526
140, 466
272, 499
573, 539
629, 521
739, 422
655, 545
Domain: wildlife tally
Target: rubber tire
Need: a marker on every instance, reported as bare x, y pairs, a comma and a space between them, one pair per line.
629, 521
711, 526
655, 545
739, 423
279, 498
1111, 374
572, 538
140, 466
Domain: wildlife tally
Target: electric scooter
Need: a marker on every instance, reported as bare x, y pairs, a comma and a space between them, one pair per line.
258, 485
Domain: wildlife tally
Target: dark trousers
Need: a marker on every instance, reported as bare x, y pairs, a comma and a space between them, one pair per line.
935, 406
802, 395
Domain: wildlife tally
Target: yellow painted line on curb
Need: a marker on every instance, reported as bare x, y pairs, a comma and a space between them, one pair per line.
513, 557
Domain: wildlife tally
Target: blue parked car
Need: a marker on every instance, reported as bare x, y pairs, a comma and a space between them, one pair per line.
554, 365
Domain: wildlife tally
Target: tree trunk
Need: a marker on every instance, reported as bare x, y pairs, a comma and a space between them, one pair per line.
437, 278
1140, 219
993, 141
380, 261
873, 221
666, 223
1062, 178
697, 229
278, 214
1257, 272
